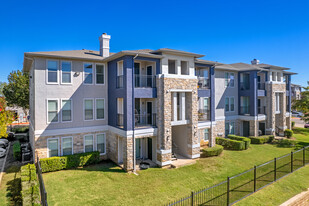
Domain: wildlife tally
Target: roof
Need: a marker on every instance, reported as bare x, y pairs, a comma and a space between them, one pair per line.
244, 67
202, 61
167, 50
269, 66
296, 85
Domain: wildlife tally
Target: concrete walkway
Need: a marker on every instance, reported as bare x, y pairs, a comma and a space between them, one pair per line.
301, 199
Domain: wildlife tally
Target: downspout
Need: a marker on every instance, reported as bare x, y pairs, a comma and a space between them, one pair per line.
133, 114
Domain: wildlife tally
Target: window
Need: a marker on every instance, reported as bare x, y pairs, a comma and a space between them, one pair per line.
232, 104
172, 67
184, 68
232, 80
99, 108
88, 143
277, 103
119, 111
227, 128
52, 71
52, 110
67, 146
119, 81
101, 143
274, 76
226, 79
232, 128
88, 109
279, 76
99, 74
53, 147
88, 74
66, 72
206, 134
227, 104
66, 111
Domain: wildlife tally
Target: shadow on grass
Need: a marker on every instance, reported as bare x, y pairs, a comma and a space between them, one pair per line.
13, 190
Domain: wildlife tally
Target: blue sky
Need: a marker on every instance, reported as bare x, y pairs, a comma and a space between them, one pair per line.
275, 32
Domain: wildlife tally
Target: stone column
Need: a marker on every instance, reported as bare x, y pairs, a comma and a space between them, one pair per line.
253, 128
128, 154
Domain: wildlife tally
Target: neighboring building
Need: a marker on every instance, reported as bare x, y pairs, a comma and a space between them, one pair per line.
20, 115
149, 104
296, 92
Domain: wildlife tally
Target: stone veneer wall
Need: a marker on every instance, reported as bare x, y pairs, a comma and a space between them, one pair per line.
218, 129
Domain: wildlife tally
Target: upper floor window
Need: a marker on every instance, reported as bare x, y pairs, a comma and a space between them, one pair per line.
66, 110
119, 80
172, 67
184, 67
88, 109
52, 71
229, 104
244, 81
120, 111
88, 74
52, 110
229, 79
277, 103
66, 72
99, 73
99, 108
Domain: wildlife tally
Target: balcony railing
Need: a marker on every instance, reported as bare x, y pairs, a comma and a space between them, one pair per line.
204, 115
145, 81
203, 83
244, 86
120, 120
145, 120
119, 81
262, 110
261, 86
244, 110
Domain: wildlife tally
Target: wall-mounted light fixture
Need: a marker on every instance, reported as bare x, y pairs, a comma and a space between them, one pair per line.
76, 74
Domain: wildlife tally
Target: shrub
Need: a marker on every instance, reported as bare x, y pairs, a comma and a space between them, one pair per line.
230, 143
288, 133
286, 143
293, 124
271, 138
17, 151
239, 138
262, 139
30, 185
71, 161
23, 129
212, 151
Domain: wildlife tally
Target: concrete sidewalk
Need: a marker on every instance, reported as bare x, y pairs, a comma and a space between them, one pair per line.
301, 199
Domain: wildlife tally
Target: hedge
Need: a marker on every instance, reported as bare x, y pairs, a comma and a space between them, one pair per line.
239, 138
288, 133
17, 151
23, 129
262, 139
212, 151
286, 143
71, 161
30, 185
230, 143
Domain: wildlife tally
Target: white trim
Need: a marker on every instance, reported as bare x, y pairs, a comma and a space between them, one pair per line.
176, 76
194, 156
164, 163
95, 78
71, 109
84, 73
137, 132
46, 71
168, 151
58, 107
195, 145
71, 73
96, 142
72, 139
180, 90
47, 148
202, 125
92, 141
95, 107
181, 122
93, 113
122, 69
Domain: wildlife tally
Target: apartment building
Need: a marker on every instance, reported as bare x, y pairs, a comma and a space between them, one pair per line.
296, 92
149, 104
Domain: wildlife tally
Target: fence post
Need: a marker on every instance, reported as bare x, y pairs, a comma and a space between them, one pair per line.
292, 161
192, 198
275, 169
254, 185
304, 156
228, 192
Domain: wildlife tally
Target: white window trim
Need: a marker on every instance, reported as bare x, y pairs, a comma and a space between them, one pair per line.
204, 135
62, 144
96, 145
46, 71
60, 66
93, 73
58, 109
95, 107
93, 117
231, 104
230, 79
48, 145
93, 143
71, 110
95, 78
120, 62
187, 69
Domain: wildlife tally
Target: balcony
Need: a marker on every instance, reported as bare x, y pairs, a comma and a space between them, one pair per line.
261, 86
244, 86
145, 81
262, 110
119, 81
145, 120
244, 110
204, 115
203, 83
120, 120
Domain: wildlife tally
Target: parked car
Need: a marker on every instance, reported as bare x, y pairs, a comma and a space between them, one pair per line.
307, 125
297, 114
4, 141
2, 152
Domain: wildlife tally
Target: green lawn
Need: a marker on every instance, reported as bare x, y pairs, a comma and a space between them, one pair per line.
107, 184
302, 135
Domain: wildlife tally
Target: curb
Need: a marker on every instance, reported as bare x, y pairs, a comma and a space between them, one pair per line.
3, 166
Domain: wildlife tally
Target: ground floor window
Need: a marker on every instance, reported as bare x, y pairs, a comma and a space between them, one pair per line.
53, 147
206, 134
229, 128
88, 143
101, 143
67, 145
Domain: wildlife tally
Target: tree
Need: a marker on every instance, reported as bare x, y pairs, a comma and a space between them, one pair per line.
1, 88
6, 118
303, 104
16, 91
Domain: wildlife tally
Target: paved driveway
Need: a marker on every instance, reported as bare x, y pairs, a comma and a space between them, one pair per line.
298, 122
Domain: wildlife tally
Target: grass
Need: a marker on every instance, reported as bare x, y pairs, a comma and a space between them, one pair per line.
301, 135
10, 188
107, 184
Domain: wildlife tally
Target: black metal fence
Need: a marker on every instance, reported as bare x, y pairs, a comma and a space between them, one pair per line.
240, 186
43, 192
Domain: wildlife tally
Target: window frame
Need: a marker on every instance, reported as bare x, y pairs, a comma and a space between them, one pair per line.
93, 112
58, 109
95, 106
93, 149
46, 71
230, 79
104, 76
60, 66
205, 133
228, 105
47, 144
84, 73
71, 110
62, 144
118, 68
96, 142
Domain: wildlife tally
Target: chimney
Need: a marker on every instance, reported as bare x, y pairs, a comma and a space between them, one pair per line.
255, 61
104, 45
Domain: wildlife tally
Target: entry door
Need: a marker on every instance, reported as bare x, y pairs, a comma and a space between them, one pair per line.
149, 76
138, 148
245, 127
149, 113
137, 74
149, 145
262, 127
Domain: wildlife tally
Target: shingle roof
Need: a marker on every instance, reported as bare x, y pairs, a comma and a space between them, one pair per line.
177, 52
272, 66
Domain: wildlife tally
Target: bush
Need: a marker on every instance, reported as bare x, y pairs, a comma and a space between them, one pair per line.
230, 143
286, 143
17, 151
212, 151
71, 161
288, 133
239, 138
30, 185
262, 139
23, 129
293, 124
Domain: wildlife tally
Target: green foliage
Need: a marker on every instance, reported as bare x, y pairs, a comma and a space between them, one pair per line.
71, 161
262, 139
30, 185
303, 103
230, 144
288, 133
16, 92
293, 124
212, 151
286, 143
1, 88
18, 129
6, 118
17, 150
239, 138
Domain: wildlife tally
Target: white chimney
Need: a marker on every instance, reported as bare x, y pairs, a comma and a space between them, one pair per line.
255, 61
104, 45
